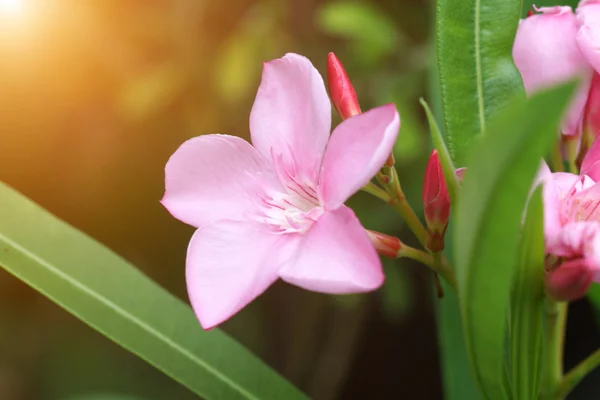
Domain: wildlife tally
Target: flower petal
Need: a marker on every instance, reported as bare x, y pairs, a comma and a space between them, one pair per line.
291, 116
588, 37
546, 53
582, 201
577, 239
213, 177
358, 148
336, 256
591, 162
229, 264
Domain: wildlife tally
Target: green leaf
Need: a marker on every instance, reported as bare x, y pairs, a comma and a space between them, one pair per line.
458, 381
477, 73
527, 305
116, 299
498, 179
444, 155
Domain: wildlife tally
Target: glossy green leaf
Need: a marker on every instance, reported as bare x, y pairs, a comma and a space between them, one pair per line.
527, 304
113, 297
458, 382
499, 175
477, 73
444, 155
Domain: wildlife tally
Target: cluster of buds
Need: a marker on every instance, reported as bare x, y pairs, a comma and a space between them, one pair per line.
436, 199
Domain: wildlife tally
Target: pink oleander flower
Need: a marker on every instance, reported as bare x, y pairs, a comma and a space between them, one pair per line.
572, 224
275, 209
559, 45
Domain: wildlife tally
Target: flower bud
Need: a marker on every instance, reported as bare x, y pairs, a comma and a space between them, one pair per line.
570, 280
436, 203
341, 90
385, 245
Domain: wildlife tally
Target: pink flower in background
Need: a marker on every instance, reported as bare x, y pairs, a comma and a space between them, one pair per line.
558, 45
276, 210
572, 224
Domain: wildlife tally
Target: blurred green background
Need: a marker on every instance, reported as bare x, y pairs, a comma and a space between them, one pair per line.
96, 95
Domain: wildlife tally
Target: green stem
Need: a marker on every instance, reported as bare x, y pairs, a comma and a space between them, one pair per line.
376, 191
555, 318
400, 204
436, 262
577, 374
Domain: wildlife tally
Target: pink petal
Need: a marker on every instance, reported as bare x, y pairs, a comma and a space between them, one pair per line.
570, 281
357, 149
588, 37
582, 201
291, 116
229, 264
577, 239
546, 53
591, 162
213, 177
336, 256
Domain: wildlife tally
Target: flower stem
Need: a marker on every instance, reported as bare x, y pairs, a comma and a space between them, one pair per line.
577, 374
400, 204
555, 318
436, 262
376, 191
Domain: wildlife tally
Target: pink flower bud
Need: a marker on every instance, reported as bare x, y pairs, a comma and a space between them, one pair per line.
436, 203
385, 245
570, 281
341, 90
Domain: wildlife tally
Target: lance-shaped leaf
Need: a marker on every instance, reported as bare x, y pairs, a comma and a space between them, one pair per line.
498, 179
527, 304
116, 299
477, 73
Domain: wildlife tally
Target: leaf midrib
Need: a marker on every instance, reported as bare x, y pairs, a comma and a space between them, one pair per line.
478, 70
127, 315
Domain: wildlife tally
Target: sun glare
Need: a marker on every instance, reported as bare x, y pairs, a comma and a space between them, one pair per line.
11, 7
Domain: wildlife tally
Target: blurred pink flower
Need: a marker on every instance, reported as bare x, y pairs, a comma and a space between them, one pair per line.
276, 210
572, 219
558, 45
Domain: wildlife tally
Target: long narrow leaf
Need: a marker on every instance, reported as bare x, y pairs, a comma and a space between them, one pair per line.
527, 303
112, 296
477, 73
498, 179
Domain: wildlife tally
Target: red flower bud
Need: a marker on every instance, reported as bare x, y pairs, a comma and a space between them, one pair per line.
569, 281
436, 203
385, 245
341, 90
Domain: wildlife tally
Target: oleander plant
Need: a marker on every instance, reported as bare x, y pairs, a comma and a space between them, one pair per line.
505, 224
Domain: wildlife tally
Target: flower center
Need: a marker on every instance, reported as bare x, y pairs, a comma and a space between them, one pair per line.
292, 210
